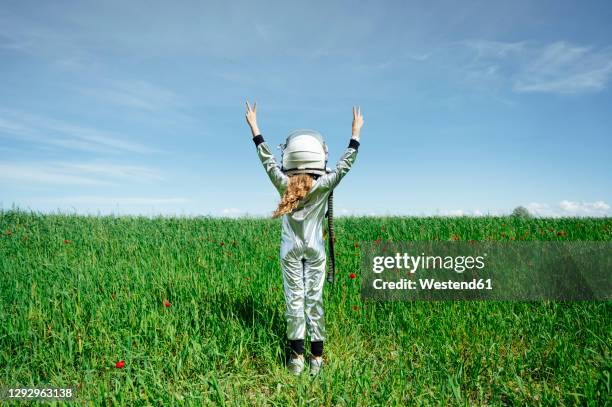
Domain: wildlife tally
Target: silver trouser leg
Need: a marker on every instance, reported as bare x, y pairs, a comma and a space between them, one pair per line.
314, 276
293, 282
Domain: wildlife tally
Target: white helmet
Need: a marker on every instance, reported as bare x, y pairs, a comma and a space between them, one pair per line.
304, 152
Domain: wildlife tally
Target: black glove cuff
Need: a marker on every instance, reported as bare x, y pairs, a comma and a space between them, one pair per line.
258, 140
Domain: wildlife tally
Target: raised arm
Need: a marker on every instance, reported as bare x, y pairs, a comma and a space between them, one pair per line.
278, 178
332, 179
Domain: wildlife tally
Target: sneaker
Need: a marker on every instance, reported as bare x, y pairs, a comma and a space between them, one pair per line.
316, 364
296, 364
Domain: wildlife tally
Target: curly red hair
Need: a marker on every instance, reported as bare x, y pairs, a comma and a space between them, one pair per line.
298, 186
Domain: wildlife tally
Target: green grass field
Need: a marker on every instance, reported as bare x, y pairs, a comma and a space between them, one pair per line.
80, 293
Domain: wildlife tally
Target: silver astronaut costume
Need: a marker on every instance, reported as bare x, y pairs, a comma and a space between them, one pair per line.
302, 251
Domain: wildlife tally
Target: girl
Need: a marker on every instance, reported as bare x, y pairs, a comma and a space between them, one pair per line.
302, 253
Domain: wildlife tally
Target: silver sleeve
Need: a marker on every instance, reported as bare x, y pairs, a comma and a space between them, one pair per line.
345, 163
278, 178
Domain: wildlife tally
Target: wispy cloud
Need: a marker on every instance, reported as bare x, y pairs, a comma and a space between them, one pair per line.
111, 170
136, 94
570, 208
232, 212
38, 130
393, 61
527, 67
29, 174
118, 205
23, 35
459, 212
419, 57
119, 200
566, 68
497, 49
262, 31
83, 174
353, 212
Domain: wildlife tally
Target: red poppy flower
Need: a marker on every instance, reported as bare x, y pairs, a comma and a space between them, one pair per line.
222, 244
356, 244
455, 237
352, 275
167, 303
378, 240
66, 241
355, 307
120, 364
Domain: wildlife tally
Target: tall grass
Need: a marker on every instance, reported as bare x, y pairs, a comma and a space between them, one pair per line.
78, 294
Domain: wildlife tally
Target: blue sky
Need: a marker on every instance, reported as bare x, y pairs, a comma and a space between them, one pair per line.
138, 107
